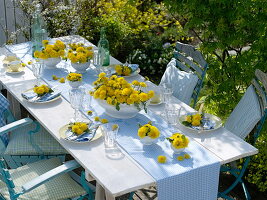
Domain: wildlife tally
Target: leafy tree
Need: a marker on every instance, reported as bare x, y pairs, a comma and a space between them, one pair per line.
232, 35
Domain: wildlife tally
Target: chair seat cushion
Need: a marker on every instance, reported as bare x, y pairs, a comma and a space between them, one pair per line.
183, 83
19, 142
61, 187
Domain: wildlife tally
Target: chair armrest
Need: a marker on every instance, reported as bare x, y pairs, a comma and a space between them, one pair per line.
14, 125
66, 167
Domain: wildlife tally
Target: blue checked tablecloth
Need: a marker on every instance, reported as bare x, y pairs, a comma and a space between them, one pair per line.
194, 178
4, 104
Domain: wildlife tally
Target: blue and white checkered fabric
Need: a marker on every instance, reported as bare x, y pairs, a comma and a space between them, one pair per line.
194, 178
4, 104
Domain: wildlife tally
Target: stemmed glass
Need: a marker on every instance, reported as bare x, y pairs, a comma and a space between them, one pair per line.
76, 98
37, 69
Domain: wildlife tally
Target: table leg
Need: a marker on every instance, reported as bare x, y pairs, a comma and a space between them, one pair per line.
99, 192
109, 196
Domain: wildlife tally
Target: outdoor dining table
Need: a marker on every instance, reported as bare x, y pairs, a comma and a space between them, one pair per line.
130, 172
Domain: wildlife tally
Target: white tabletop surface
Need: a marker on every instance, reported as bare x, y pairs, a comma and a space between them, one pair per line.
124, 175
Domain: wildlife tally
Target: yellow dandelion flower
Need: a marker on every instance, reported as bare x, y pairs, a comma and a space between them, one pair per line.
115, 126
180, 158
187, 156
104, 121
162, 159
62, 80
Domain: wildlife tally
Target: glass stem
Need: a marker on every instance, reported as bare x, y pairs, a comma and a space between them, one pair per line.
38, 81
75, 115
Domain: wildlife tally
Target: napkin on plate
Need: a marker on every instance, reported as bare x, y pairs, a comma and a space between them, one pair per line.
134, 67
32, 96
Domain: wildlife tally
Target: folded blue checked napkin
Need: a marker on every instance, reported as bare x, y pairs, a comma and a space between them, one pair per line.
32, 96
134, 67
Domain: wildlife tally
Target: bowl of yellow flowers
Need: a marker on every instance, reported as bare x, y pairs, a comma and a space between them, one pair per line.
80, 56
74, 79
51, 54
119, 98
200, 122
178, 142
148, 134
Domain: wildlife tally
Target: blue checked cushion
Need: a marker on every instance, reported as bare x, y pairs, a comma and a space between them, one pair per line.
183, 83
4, 104
19, 143
61, 187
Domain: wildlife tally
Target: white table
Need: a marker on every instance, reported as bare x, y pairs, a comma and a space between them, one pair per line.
115, 177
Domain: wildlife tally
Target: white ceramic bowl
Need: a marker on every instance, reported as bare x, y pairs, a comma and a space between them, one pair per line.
81, 67
176, 151
75, 84
51, 62
125, 112
148, 140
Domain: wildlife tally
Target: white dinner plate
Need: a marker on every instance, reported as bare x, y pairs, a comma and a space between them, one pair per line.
51, 100
63, 134
213, 121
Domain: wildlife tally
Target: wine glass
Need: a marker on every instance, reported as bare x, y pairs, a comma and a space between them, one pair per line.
76, 98
37, 69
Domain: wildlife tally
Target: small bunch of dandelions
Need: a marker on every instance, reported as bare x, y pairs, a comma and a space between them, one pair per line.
148, 130
73, 77
123, 70
42, 90
193, 120
78, 127
178, 140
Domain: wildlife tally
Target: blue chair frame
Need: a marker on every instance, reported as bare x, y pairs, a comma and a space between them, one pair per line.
260, 85
15, 161
67, 167
191, 60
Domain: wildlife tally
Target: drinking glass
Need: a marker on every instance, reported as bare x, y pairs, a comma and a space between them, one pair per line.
76, 98
97, 60
110, 141
172, 114
37, 69
87, 98
166, 90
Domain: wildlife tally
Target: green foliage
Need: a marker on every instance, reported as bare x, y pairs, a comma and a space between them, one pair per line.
257, 171
232, 36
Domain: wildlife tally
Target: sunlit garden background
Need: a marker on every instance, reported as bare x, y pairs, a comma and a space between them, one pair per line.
231, 34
